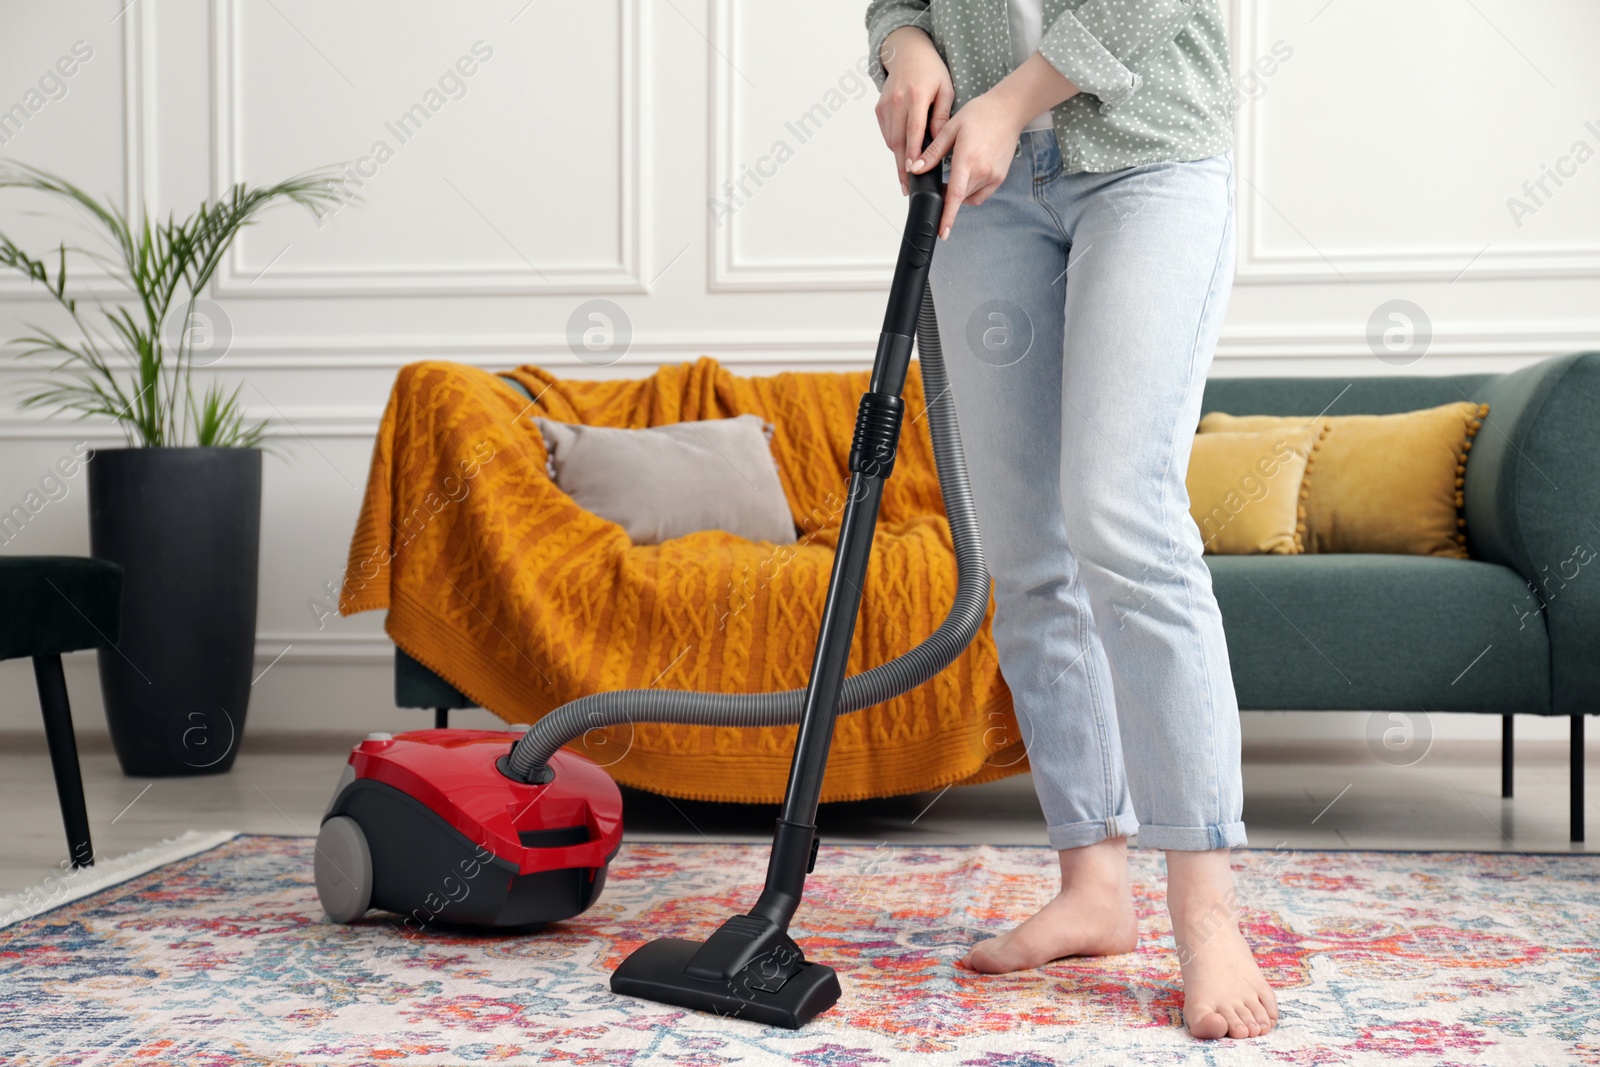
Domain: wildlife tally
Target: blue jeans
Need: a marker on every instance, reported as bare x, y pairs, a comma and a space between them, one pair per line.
1079, 314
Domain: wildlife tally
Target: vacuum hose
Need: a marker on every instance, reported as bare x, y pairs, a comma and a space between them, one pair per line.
529, 760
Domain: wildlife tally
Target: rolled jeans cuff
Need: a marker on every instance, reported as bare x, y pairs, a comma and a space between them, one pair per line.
1192, 838
1079, 834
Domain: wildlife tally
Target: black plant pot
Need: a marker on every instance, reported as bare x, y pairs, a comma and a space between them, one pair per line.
185, 524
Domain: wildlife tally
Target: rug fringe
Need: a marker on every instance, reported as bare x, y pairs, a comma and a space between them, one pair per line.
68, 885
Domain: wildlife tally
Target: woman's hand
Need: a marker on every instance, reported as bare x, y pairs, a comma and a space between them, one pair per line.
981, 140
918, 80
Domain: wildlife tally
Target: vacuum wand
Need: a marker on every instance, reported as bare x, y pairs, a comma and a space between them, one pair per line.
750, 967
872, 455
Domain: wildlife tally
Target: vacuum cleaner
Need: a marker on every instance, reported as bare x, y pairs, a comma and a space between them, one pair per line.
500, 829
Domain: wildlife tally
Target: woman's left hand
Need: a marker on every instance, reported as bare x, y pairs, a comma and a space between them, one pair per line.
981, 140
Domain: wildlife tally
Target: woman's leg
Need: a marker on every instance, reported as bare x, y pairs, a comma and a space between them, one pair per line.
1151, 271
999, 286
1152, 268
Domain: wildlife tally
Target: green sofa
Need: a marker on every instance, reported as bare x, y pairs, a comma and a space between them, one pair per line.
1513, 630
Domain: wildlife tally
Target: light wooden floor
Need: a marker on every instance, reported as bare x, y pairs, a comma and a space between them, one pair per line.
1304, 795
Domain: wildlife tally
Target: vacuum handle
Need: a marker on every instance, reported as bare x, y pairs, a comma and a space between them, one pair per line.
916, 250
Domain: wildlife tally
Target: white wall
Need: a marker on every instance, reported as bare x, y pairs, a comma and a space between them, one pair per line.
1379, 146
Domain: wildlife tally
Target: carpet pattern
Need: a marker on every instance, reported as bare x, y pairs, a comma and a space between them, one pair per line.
225, 959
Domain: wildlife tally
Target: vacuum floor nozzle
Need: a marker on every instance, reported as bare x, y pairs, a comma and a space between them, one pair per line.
749, 969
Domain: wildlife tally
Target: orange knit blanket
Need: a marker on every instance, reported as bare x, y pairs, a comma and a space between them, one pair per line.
503, 586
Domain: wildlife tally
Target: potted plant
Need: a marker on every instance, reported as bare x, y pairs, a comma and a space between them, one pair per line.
180, 507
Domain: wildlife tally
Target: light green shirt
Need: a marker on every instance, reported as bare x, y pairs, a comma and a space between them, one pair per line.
1152, 74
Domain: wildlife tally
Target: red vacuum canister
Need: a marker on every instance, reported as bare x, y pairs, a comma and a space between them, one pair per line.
425, 824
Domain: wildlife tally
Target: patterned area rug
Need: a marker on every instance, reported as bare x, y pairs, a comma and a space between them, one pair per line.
224, 958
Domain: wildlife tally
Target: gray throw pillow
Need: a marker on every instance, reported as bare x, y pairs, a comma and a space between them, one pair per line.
667, 481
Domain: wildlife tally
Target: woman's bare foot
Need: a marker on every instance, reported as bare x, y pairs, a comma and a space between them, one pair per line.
1224, 994
1091, 916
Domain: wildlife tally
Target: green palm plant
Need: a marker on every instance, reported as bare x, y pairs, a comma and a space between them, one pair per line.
131, 373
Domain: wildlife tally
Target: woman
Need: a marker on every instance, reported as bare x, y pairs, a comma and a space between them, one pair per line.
1079, 300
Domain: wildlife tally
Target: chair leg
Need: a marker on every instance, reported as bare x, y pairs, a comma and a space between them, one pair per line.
52, 683
441, 718
1575, 782
1507, 747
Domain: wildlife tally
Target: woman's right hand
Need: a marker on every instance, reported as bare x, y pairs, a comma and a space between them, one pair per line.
918, 81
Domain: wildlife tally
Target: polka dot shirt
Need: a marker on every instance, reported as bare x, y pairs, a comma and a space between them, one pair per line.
1152, 74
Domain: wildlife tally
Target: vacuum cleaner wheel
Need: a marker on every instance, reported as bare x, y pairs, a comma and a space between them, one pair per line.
343, 869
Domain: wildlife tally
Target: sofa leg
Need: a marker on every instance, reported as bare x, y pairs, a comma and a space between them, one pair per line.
1575, 781
1507, 748
441, 718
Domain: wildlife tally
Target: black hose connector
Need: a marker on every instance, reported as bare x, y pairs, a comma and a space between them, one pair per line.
877, 436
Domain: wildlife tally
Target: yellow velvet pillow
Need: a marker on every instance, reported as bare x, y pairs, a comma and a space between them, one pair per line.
1245, 489
1385, 483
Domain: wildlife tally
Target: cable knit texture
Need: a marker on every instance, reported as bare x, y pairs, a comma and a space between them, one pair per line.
497, 581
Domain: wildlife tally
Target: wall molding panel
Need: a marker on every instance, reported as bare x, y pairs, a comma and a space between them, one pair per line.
1260, 265
728, 272
137, 40
624, 276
